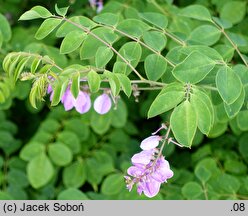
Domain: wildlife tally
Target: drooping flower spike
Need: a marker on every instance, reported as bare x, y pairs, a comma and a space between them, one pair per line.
149, 168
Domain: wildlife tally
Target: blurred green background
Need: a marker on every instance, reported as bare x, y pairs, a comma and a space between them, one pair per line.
47, 153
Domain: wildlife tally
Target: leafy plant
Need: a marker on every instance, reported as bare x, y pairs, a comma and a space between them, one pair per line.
193, 63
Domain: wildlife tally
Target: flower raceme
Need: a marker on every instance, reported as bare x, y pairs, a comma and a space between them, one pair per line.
82, 103
149, 168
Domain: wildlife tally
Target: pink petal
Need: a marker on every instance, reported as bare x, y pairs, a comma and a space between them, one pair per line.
152, 188
150, 142
49, 89
79, 102
102, 104
144, 157
68, 100
135, 171
87, 104
163, 171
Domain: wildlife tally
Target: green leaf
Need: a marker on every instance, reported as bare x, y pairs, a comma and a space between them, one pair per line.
217, 129
94, 175
91, 44
155, 66
113, 82
192, 191
125, 83
72, 41
31, 150
243, 147
100, 123
120, 67
60, 154
77, 126
74, 175
233, 109
112, 184
155, 40
163, 102
202, 173
1, 39
131, 51
155, 19
58, 91
133, 27
35, 64
107, 19
75, 84
67, 27
119, 115
235, 167
183, 123
47, 27
36, 12
227, 183
233, 11
226, 51
194, 68
228, 84
17, 177
198, 12
5, 29
205, 34
204, 114
105, 162
5, 196
40, 171
19, 68
103, 56
71, 140
94, 81
242, 120
61, 11
72, 194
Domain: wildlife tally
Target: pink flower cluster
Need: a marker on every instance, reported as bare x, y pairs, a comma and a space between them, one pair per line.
149, 169
82, 103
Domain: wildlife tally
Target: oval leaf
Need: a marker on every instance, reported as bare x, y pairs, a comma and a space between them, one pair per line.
198, 12
94, 81
228, 84
155, 66
164, 102
183, 123
194, 68
103, 56
40, 171
47, 27
72, 41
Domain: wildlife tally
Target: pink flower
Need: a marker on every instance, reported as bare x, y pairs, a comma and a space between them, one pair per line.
149, 168
82, 103
149, 177
102, 104
149, 187
150, 142
144, 157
